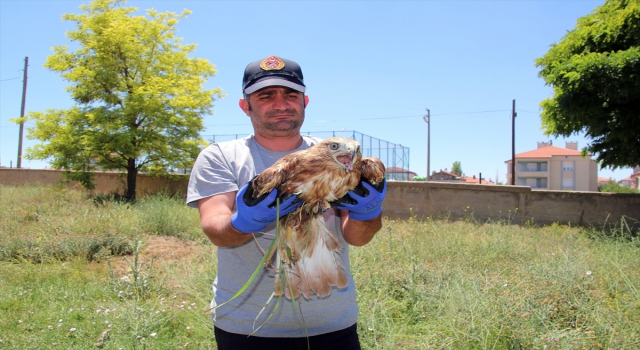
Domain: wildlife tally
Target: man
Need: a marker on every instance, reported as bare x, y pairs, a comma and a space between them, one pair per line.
274, 100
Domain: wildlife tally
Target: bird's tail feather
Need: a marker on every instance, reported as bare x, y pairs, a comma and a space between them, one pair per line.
316, 268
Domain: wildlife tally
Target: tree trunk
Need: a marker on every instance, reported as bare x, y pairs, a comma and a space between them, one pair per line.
132, 175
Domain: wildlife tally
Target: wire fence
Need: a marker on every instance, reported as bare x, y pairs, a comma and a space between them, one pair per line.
394, 156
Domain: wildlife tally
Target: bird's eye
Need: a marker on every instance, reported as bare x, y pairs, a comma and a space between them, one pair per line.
334, 146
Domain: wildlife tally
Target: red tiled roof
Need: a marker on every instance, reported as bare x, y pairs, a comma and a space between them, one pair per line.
548, 152
604, 179
471, 180
445, 173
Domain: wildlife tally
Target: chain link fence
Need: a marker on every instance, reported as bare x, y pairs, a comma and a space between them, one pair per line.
394, 156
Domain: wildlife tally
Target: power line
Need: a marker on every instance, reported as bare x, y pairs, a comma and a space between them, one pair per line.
477, 112
10, 79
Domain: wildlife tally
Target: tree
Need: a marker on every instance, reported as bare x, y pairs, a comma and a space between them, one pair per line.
139, 97
615, 187
456, 168
595, 74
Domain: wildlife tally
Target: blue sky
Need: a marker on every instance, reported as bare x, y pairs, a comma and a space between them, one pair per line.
369, 66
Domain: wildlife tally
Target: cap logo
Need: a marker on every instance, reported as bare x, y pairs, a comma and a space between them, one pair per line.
272, 63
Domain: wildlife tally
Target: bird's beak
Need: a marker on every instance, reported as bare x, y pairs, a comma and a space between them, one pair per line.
346, 158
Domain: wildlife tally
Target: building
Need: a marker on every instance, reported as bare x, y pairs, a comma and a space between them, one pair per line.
399, 174
476, 180
555, 168
444, 175
627, 182
603, 181
636, 177
632, 181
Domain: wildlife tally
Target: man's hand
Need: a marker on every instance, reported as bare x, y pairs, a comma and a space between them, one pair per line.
364, 202
254, 214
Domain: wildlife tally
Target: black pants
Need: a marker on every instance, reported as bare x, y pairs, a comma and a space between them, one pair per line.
345, 339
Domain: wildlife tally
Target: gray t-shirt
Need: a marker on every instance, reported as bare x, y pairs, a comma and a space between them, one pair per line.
226, 167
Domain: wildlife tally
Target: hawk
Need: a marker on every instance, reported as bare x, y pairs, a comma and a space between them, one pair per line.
307, 260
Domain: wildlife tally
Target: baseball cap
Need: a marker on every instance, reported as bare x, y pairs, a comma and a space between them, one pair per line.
272, 71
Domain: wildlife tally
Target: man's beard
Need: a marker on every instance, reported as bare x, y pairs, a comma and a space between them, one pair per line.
283, 125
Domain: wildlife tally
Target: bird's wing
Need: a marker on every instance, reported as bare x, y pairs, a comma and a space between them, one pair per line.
372, 169
275, 175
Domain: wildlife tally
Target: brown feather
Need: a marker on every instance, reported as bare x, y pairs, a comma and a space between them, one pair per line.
308, 252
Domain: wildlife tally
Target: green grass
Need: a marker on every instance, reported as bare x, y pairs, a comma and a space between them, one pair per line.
78, 273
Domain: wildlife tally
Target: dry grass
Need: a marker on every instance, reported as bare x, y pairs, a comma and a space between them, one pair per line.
431, 284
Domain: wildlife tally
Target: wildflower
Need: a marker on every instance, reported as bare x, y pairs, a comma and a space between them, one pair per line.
72, 330
153, 335
19, 321
49, 327
589, 273
188, 327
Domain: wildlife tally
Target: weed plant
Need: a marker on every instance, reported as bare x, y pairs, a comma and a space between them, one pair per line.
463, 285
40, 223
432, 284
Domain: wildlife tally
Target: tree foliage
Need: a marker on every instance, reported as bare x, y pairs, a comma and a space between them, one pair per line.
595, 74
456, 168
139, 97
615, 187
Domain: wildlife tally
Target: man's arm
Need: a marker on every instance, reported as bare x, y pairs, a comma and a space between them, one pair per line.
359, 233
227, 229
215, 220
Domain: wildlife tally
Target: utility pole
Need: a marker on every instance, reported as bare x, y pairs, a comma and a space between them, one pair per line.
428, 121
24, 96
513, 142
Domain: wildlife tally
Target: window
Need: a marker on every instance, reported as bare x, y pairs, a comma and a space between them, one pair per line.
532, 166
567, 166
533, 182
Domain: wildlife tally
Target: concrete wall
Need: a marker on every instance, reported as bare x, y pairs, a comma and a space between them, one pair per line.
106, 182
519, 204
516, 203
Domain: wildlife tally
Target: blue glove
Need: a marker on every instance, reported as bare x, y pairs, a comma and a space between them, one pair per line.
364, 202
254, 214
